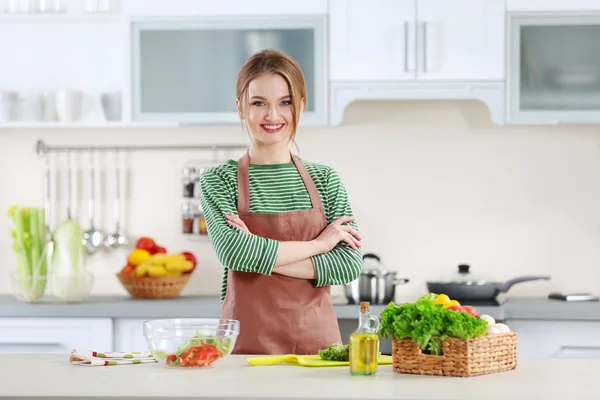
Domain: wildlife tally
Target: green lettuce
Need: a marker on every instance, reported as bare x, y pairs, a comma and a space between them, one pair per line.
335, 352
428, 324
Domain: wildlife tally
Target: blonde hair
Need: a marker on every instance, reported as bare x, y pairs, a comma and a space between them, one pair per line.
274, 62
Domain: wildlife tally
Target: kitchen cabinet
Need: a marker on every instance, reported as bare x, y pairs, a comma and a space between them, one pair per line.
556, 339
417, 50
552, 5
176, 77
223, 7
553, 72
44, 54
462, 40
369, 42
429, 40
54, 335
129, 335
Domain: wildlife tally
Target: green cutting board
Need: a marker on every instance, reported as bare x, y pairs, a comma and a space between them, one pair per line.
307, 361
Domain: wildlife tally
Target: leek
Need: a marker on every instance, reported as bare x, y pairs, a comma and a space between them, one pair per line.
29, 233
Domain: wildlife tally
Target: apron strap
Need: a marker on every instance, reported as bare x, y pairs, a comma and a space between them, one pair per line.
243, 204
315, 199
244, 185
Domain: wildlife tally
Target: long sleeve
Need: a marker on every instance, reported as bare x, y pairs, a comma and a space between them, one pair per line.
236, 250
342, 264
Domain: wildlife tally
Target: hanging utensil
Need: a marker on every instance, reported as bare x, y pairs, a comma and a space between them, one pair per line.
49, 241
92, 238
69, 185
117, 238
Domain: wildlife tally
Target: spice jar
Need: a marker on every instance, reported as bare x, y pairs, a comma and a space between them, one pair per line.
201, 221
187, 215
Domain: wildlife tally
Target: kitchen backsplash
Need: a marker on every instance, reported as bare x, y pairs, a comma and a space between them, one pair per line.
433, 185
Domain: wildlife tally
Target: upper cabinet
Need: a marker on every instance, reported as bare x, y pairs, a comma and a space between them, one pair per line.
461, 40
552, 5
430, 40
372, 43
185, 69
208, 8
554, 74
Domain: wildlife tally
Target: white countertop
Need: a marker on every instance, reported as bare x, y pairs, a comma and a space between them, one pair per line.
51, 376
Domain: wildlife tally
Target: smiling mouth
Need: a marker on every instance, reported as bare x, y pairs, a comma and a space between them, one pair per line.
272, 128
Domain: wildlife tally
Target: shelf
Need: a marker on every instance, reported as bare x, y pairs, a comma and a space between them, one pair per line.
59, 17
75, 125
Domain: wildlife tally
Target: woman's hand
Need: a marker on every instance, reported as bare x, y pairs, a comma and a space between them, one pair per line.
236, 222
336, 232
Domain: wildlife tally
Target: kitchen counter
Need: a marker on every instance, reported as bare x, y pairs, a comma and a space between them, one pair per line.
208, 306
182, 306
232, 378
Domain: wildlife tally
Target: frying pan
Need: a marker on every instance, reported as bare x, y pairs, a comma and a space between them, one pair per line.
467, 288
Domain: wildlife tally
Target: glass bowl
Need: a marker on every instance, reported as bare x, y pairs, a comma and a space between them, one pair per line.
27, 288
72, 288
190, 342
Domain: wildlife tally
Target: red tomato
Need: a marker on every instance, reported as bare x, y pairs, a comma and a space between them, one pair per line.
159, 249
471, 310
190, 257
456, 308
146, 243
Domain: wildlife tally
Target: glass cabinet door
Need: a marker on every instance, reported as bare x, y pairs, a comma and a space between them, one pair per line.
185, 71
554, 74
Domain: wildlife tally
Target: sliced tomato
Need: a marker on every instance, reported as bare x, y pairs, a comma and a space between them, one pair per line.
170, 359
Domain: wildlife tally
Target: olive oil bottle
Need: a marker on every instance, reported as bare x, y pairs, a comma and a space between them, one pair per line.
364, 343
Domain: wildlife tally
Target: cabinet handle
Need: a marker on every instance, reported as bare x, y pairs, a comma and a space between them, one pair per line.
424, 26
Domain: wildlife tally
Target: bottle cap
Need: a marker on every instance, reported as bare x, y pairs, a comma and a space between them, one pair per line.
364, 306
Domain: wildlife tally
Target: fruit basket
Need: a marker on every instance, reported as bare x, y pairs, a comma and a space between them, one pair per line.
152, 273
463, 358
154, 288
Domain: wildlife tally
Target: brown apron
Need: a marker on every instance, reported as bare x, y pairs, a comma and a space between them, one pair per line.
279, 314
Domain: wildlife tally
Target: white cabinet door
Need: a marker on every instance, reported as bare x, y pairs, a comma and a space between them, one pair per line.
557, 339
55, 335
461, 40
129, 335
370, 41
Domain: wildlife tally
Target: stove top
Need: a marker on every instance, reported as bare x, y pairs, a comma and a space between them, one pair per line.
481, 303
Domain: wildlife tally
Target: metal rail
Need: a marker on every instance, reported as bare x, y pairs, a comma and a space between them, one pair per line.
42, 149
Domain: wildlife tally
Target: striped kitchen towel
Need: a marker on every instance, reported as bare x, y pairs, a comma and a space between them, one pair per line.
93, 358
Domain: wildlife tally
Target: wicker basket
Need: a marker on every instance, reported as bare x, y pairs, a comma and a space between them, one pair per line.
484, 355
164, 287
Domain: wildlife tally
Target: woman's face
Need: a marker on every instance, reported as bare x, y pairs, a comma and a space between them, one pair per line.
269, 112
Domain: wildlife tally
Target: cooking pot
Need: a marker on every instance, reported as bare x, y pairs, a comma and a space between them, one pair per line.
375, 285
466, 286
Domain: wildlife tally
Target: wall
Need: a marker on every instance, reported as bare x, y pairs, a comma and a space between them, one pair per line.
433, 184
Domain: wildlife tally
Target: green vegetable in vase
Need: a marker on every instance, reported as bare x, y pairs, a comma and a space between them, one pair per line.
29, 233
335, 352
429, 324
69, 259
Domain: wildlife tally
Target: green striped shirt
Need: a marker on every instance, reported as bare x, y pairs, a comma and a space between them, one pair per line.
274, 188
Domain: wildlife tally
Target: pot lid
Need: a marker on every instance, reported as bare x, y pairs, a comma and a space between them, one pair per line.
372, 266
463, 275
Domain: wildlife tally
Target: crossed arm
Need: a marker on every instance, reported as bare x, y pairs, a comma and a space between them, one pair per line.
333, 258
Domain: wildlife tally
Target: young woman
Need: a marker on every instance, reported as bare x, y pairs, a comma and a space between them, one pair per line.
280, 225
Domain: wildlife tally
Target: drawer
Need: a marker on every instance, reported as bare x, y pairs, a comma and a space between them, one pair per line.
55, 335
